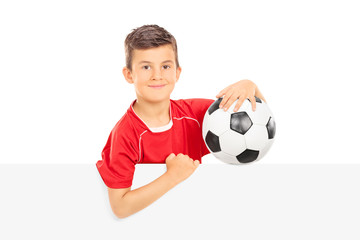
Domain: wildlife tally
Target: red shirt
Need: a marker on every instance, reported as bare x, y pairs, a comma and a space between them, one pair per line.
131, 141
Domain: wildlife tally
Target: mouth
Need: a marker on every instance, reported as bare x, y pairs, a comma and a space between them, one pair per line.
157, 86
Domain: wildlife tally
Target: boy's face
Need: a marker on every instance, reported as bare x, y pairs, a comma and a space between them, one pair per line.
154, 73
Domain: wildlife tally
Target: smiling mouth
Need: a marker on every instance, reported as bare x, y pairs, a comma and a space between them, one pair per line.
157, 86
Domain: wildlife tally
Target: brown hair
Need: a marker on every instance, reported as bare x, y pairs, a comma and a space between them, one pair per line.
145, 37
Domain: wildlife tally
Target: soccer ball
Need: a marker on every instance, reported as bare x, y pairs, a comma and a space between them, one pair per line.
239, 137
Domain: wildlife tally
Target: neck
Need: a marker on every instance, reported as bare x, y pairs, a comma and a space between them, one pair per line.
153, 114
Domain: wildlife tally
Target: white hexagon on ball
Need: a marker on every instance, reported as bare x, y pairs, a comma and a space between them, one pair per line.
257, 137
226, 158
204, 124
261, 114
246, 106
219, 122
232, 143
266, 148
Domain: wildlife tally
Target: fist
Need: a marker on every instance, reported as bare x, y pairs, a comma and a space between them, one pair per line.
180, 166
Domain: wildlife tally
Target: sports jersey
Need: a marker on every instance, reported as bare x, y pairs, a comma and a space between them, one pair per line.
131, 141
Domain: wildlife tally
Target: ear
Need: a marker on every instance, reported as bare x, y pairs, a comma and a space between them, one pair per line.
178, 71
127, 74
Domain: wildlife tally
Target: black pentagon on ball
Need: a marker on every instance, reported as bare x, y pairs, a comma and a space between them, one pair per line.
212, 142
240, 122
247, 156
214, 106
271, 128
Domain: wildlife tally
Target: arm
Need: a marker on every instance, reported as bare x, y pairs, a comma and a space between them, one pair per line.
125, 202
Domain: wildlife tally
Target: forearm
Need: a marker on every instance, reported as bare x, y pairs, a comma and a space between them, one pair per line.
138, 199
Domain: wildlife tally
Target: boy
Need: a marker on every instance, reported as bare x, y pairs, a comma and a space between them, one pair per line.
156, 129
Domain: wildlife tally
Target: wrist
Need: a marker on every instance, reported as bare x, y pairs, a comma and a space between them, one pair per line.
171, 178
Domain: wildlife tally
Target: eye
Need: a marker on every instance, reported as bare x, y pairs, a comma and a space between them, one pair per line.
146, 67
166, 66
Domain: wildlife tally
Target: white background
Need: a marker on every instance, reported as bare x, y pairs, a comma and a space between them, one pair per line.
62, 91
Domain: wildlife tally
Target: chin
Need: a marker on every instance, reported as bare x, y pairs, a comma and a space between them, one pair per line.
158, 99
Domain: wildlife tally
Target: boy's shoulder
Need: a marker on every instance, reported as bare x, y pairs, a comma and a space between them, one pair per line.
192, 102
193, 105
128, 125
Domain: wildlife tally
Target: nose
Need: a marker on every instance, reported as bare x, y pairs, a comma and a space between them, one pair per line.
156, 75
